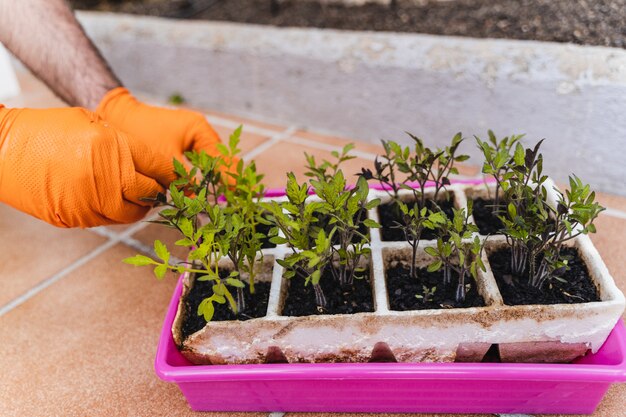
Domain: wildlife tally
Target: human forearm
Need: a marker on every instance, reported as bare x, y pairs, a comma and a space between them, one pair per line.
47, 38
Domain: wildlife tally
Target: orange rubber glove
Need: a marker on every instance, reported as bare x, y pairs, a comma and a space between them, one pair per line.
169, 131
70, 168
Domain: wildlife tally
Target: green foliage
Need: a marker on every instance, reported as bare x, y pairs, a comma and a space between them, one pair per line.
214, 231
346, 208
420, 165
309, 228
214, 205
386, 169
424, 165
427, 294
414, 221
535, 230
176, 99
297, 220
214, 174
326, 170
458, 250
498, 157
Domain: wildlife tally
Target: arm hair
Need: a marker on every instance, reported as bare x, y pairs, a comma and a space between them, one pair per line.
47, 38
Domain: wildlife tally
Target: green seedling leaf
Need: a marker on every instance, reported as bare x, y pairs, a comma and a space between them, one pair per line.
371, 224
235, 283
372, 204
184, 242
205, 278
160, 271
512, 211
161, 251
223, 149
219, 289
139, 260
206, 309
431, 251
220, 299
278, 240
435, 266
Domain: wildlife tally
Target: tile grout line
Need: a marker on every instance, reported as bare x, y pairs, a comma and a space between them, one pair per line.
620, 214
113, 240
131, 242
276, 138
231, 124
54, 278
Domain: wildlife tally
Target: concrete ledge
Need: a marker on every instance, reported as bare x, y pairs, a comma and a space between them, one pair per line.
378, 85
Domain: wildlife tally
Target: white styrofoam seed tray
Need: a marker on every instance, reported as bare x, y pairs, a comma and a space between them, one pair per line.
557, 332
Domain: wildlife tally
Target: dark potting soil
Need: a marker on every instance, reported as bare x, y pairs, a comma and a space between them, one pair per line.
256, 304
487, 222
402, 288
356, 298
578, 287
390, 215
597, 22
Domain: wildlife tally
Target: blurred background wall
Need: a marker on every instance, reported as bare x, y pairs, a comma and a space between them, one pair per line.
373, 85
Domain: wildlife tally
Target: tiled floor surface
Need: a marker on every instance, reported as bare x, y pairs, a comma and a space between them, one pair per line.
78, 328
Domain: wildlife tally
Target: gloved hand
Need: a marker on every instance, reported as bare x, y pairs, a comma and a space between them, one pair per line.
168, 131
70, 168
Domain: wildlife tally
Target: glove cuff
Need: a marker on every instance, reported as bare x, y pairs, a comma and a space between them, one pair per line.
111, 97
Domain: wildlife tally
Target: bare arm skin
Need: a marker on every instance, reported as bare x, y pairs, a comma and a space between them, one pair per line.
47, 38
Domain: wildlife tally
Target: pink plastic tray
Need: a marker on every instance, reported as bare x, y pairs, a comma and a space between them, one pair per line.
575, 388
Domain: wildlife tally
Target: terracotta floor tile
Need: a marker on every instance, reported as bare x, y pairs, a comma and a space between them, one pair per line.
33, 251
610, 240
373, 148
613, 201
86, 346
119, 228
614, 402
248, 142
245, 121
166, 235
287, 156
284, 157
